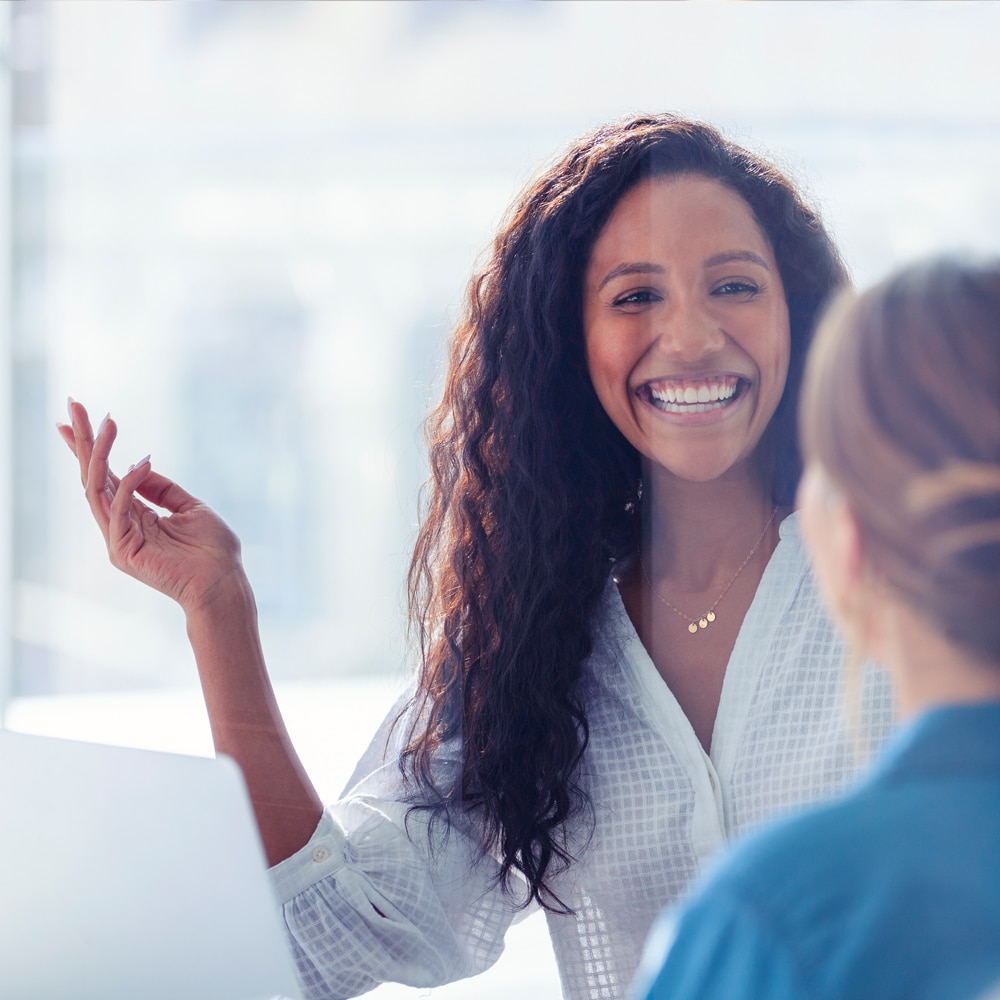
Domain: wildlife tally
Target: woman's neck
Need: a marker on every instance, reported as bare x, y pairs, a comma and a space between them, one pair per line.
696, 534
927, 669
704, 550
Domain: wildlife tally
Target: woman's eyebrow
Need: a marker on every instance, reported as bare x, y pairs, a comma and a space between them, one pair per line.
645, 267
737, 256
630, 267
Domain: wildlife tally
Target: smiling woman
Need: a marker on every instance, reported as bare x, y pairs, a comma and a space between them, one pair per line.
687, 338
686, 325
567, 741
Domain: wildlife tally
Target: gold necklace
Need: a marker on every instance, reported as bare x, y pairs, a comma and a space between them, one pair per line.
694, 624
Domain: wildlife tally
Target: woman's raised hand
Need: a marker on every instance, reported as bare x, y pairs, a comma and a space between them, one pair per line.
189, 553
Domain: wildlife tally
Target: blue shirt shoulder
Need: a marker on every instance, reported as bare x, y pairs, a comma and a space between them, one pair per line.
894, 891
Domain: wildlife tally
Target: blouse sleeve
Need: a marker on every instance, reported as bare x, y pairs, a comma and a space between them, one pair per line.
381, 893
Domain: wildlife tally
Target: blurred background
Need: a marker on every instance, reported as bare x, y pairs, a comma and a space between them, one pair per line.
244, 228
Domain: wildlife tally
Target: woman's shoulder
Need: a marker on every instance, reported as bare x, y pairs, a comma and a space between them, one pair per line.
610, 621
614, 646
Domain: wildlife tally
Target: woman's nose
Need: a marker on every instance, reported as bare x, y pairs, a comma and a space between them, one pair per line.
689, 334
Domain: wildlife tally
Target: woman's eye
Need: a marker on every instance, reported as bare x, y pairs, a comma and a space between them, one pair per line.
640, 297
736, 287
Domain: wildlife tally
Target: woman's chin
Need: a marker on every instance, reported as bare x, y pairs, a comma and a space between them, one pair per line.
699, 468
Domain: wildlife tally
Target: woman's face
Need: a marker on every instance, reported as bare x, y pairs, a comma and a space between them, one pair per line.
686, 325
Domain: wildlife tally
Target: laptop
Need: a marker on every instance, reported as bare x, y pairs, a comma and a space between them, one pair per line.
132, 875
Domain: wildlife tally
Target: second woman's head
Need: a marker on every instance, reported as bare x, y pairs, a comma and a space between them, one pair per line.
901, 421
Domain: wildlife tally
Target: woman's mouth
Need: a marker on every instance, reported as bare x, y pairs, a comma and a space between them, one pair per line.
693, 395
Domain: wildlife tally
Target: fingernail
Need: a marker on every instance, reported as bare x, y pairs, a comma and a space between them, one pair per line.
139, 464
69, 407
103, 424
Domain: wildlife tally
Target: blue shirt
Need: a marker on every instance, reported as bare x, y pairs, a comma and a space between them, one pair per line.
891, 892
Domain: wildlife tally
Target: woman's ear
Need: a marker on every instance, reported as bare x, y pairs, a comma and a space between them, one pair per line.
849, 543
848, 581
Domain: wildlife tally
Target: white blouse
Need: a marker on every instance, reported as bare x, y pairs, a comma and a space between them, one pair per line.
661, 808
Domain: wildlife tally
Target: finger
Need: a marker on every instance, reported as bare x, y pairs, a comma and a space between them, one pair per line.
83, 435
101, 445
125, 511
99, 486
68, 435
166, 493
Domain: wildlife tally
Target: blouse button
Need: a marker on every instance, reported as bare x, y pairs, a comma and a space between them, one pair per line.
321, 853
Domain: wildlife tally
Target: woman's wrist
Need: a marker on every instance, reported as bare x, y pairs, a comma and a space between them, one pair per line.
228, 596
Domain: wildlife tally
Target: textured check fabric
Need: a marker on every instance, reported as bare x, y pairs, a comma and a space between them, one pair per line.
661, 808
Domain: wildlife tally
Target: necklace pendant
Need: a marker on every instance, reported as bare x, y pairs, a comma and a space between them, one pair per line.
696, 624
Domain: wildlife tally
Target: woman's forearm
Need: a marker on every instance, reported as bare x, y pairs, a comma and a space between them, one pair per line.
245, 719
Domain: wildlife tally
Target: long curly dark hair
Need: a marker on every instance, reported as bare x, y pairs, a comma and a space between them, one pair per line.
534, 493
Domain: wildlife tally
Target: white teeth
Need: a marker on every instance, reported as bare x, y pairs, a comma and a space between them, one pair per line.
689, 407
691, 399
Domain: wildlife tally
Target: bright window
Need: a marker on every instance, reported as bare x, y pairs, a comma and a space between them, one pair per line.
244, 228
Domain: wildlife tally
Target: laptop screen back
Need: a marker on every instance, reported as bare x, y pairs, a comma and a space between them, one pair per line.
129, 873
